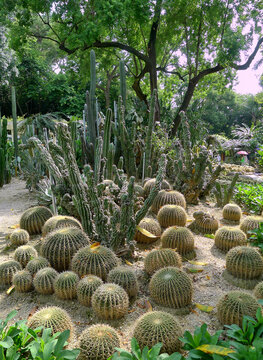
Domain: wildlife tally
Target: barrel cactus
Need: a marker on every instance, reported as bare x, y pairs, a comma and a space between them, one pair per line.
58, 222
181, 239
138, 190
37, 264
234, 305
250, 223
171, 287
126, 278
158, 326
22, 280
98, 342
228, 237
110, 301
244, 267
170, 215
7, 271
44, 280
204, 223
232, 212
258, 291
34, 218
168, 197
65, 285
24, 254
152, 226
149, 184
19, 237
60, 246
95, 260
86, 288
161, 258
52, 317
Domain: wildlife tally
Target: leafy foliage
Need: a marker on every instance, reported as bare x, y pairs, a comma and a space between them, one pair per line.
250, 196
256, 237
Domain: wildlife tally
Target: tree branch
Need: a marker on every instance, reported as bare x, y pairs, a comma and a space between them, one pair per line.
163, 69
250, 59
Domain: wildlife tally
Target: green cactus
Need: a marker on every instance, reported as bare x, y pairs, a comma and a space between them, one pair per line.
58, 222
74, 134
60, 246
149, 184
251, 223
33, 266
150, 225
14, 116
65, 285
148, 141
171, 287
170, 215
158, 326
110, 159
7, 270
244, 267
224, 192
107, 133
52, 317
258, 291
33, 219
95, 260
123, 82
98, 342
24, 254
181, 239
138, 190
232, 212
86, 288
91, 101
3, 142
22, 280
204, 223
19, 237
168, 197
97, 159
161, 258
110, 301
44, 280
228, 237
124, 277
234, 305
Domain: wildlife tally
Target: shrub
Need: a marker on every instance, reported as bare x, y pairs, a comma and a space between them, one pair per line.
250, 196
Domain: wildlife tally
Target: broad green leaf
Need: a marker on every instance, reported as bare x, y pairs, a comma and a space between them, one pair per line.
215, 349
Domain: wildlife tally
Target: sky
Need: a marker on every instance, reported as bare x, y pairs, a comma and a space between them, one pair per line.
248, 81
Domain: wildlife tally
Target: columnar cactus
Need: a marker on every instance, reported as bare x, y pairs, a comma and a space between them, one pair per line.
234, 305
126, 278
19, 237
34, 265
232, 212
60, 221
250, 223
150, 225
170, 215
161, 258
22, 280
110, 301
168, 197
258, 291
149, 184
7, 271
98, 342
171, 287
228, 237
65, 285
86, 288
60, 246
24, 254
34, 218
97, 260
44, 281
181, 239
158, 326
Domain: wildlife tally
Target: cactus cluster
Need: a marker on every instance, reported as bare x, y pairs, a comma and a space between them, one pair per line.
149, 184
3, 152
234, 305
51, 317
22, 280
228, 237
158, 326
204, 223
86, 288
60, 246
7, 271
98, 342
244, 267
251, 223
19, 237
34, 265
181, 239
60, 221
33, 219
97, 260
110, 301
161, 258
258, 291
171, 287
44, 280
232, 212
170, 215
124, 277
168, 197
150, 225
65, 285
24, 254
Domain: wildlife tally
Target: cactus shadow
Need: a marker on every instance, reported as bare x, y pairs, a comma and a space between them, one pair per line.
218, 253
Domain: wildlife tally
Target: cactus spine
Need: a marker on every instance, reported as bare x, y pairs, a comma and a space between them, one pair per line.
65, 285
22, 280
86, 288
7, 271
44, 280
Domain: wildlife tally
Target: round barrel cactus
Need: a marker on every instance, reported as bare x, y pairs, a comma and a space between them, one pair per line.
228, 237
206, 223
19, 237
126, 278
44, 280
138, 190
168, 197
161, 258
22, 280
60, 246
7, 271
232, 212
65, 285
33, 219
24, 254
258, 291
86, 288
149, 184
37, 264
158, 326
181, 239
250, 223
170, 215
59, 222
171, 287
150, 225
98, 342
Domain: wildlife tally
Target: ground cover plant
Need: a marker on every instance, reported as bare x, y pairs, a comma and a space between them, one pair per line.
250, 196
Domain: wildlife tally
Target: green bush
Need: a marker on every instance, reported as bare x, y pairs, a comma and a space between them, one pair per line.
250, 196
255, 237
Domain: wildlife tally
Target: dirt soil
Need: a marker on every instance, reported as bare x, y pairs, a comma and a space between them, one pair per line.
209, 285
